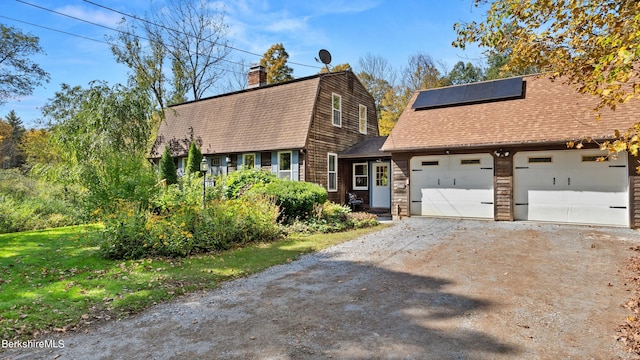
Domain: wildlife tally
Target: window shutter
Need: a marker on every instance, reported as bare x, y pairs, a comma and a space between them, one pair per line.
274, 162
294, 165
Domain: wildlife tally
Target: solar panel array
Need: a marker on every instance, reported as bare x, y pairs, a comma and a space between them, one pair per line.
503, 89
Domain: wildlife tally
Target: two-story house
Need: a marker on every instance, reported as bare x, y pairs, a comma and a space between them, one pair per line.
296, 129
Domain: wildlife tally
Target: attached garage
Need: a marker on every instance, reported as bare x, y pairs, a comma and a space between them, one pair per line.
571, 186
452, 185
498, 150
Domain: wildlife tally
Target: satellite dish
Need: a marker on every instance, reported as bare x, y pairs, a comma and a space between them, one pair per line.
325, 56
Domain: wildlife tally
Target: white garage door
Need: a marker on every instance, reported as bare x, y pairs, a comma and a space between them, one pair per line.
571, 186
452, 185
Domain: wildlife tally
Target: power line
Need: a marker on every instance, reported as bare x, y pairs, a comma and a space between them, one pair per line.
162, 26
110, 28
183, 33
98, 41
56, 30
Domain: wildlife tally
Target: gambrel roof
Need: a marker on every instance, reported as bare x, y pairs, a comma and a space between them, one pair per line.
546, 112
272, 117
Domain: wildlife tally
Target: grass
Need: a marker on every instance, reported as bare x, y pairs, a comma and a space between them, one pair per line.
54, 280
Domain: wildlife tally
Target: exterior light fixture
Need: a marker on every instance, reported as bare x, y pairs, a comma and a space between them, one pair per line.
501, 153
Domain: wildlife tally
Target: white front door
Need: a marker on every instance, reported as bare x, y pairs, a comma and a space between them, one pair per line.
571, 186
381, 186
452, 185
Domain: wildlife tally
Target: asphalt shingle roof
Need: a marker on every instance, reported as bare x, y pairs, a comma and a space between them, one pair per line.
368, 147
260, 119
550, 112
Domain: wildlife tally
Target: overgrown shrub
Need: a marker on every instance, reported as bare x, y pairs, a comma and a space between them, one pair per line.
331, 217
295, 198
29, 204
362, 220
238, 182
333, 212
133, 233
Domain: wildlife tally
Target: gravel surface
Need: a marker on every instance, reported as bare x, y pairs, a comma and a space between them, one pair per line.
422, 289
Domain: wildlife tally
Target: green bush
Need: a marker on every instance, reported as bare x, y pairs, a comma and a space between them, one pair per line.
331, 217
238, 182
133, 233
295, 198
333, 212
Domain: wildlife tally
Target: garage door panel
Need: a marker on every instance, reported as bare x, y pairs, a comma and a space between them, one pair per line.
572, 187
452, 185
599, 198
435, 203
594, 214
547, 212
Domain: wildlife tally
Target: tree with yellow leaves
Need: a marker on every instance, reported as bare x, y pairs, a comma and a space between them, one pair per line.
592, 45
275, 62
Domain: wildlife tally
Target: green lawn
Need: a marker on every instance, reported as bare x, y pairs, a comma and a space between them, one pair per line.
54, 280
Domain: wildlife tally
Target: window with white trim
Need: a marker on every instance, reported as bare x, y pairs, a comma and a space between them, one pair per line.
332, 172
362, 119
336, 105
249, 161
360, 176
284, 165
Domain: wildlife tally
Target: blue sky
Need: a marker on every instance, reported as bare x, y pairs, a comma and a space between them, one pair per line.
349, 29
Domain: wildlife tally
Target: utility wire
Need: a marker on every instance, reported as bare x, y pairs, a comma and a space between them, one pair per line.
110, 28
183, 33
95, 40
141, 37
52, 29
162, 26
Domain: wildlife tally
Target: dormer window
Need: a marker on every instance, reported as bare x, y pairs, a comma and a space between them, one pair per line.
336, 104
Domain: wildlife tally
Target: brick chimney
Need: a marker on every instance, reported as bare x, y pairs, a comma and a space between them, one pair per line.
257, 76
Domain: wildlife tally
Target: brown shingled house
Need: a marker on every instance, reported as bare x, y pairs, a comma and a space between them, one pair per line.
498, 150
296, 129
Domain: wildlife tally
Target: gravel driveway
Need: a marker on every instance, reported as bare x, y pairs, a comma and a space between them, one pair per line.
421, 289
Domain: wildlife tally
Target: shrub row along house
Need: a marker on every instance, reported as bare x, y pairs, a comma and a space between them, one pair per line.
296, 129
498, 150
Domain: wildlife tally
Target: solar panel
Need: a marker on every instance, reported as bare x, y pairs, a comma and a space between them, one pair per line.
496, 90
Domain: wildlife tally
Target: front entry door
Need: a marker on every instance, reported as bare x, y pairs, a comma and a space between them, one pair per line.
381, 187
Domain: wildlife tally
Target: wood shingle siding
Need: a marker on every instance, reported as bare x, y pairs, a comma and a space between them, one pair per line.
326, 138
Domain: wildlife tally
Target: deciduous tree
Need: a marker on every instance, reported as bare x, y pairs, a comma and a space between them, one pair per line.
275, 62
339, 67
422, 73
19, 75
189, 34
592, 45
103, 135
464, 73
